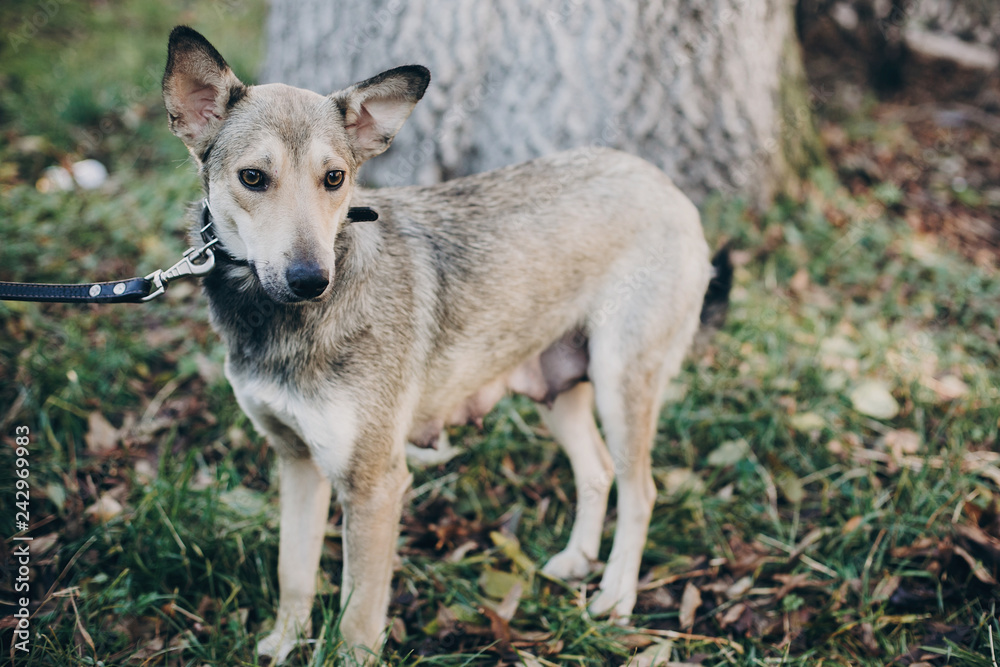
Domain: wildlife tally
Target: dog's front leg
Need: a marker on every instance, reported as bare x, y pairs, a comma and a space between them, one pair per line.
305, 507
372, 507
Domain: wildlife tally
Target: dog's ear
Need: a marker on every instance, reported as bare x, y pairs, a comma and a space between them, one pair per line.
375, 109
199, 89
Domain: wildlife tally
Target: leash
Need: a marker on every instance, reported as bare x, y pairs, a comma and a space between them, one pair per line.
194, 262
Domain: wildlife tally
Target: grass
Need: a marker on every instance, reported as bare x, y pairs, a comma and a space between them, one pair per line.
767, 465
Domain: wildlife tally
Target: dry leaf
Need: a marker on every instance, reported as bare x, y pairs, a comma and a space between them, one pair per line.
498, 627
851, 524
678, 481
690, 602
902, 442
528, 660
656, 655
973, 533
101, 436
497, 584
105, 509
886, 587
804, 422
789, 582
397, 630
732, 615
978, 571
873, 398
948, 388
800, 282
512, 549
508, 606
740, 587
729, 453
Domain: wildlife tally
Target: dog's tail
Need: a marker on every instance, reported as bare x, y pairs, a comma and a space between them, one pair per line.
716, 303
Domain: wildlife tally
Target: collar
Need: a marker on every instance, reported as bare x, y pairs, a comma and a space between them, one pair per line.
209, 237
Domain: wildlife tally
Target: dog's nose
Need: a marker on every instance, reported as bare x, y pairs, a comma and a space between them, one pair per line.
306, 280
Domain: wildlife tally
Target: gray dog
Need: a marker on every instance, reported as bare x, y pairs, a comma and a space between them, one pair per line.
576, 279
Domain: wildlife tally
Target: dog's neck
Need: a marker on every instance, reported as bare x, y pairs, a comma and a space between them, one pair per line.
260, 331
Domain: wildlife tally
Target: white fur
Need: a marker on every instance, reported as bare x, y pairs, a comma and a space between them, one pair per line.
305, 507
328, 426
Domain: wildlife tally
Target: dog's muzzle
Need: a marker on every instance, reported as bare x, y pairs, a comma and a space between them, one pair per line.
306, 280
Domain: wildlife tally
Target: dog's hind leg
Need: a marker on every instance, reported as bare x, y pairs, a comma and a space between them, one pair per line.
629, 372
305, 506
571, 421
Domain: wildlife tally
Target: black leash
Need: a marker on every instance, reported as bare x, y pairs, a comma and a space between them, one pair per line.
195, 262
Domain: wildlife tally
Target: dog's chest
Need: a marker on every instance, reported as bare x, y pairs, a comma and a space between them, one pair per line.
326, 423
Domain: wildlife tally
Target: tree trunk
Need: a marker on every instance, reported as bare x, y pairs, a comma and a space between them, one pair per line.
712, 91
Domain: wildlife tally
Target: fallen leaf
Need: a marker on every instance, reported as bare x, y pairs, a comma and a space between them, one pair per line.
690, 601
978, 571
729, 453
740, 587
497, 584
790, 582
512, 549
800, 282
678, 481
105, 509
397, 630
655, 655
790, 487
528, 660
902, 442
508, 606
636, 640
804, 422
442, 624
868, 638
244, 501
885, 588
732, 615
948, 388
973, 533
101, 436
851, 525
499, 627
873, 398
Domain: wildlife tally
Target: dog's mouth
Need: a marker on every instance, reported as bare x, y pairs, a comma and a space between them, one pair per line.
279, 292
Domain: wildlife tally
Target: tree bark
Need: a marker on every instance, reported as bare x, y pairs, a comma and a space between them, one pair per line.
712, 91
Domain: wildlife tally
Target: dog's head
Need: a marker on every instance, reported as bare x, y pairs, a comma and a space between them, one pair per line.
280, 163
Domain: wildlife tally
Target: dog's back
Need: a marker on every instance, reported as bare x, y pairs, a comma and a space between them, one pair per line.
504, 264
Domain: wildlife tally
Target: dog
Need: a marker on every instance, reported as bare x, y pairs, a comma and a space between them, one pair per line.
579, 280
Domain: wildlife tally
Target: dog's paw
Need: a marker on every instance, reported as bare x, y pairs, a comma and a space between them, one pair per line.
615, 601
276, 647
569, 565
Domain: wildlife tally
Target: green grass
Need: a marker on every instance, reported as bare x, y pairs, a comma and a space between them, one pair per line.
185, 574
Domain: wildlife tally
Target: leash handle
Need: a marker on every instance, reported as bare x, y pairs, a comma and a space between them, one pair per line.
130, 290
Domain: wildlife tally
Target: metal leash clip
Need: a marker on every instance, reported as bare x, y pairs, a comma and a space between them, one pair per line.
186, 267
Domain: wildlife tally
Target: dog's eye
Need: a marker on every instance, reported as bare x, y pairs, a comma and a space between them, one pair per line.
334, 179
253, 179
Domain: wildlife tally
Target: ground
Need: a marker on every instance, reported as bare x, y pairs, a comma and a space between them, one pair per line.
827, 468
